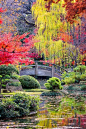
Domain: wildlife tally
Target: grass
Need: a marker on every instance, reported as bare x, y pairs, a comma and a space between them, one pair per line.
12, 93
35, 90
27, 91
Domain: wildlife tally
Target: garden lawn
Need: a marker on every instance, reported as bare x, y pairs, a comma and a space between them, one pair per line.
27, 91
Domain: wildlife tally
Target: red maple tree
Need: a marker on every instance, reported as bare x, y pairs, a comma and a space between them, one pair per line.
13, 51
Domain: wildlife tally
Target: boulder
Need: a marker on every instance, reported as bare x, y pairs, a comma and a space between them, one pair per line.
13, 88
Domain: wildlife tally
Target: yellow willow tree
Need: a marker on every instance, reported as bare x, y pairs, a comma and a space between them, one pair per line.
51, 24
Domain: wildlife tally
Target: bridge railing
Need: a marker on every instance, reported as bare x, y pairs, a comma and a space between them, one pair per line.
54, 69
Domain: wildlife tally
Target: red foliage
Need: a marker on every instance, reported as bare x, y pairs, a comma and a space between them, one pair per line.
1, 11
34, 55
1, 21
12, 51
73, 9
29, 40
73, 62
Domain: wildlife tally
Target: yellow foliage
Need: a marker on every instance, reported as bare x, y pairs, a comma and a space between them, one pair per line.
48, 24
51, 24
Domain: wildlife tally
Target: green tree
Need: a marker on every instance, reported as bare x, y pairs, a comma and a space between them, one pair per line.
53, 84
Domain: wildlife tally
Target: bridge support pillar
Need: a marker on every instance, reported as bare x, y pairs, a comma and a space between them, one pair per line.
53, 70
36, 68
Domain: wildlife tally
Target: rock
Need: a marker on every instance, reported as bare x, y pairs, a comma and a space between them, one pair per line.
1, 96
65, 92
14, 88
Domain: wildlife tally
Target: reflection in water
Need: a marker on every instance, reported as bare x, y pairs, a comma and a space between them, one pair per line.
55, 112
22, 123
63, 112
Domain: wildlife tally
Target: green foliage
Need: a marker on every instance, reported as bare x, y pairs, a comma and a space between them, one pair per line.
80, 68
8, 108
15, 76
78, 74
83, 88
5, 74
3, 86
53, 83
14, 83
23, 102
35, 90
34, 105
51, 93
18, 105
6, 77
68, 104
8, 70
29, 82
73, 88
4, 82
69, 80
0, 76
83, 77
77, 78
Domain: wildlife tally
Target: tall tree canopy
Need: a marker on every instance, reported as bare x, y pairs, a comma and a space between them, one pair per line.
56, 26
73, 8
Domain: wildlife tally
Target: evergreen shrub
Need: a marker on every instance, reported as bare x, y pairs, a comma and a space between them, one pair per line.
29, 82
83, 88
53, 84
18, 105
78, 74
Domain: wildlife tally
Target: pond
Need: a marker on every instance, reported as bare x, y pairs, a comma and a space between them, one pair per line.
54, 113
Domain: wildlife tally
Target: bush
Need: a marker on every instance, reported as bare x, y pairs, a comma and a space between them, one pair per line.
34, 105
83, 77
5, 74
8, 109
73, 88
77, 78
69, 80
23, 101
15, 76
53, 83
4, 80
78, 74
29, 82
8, 70
83, 87
80, 68
18, 105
